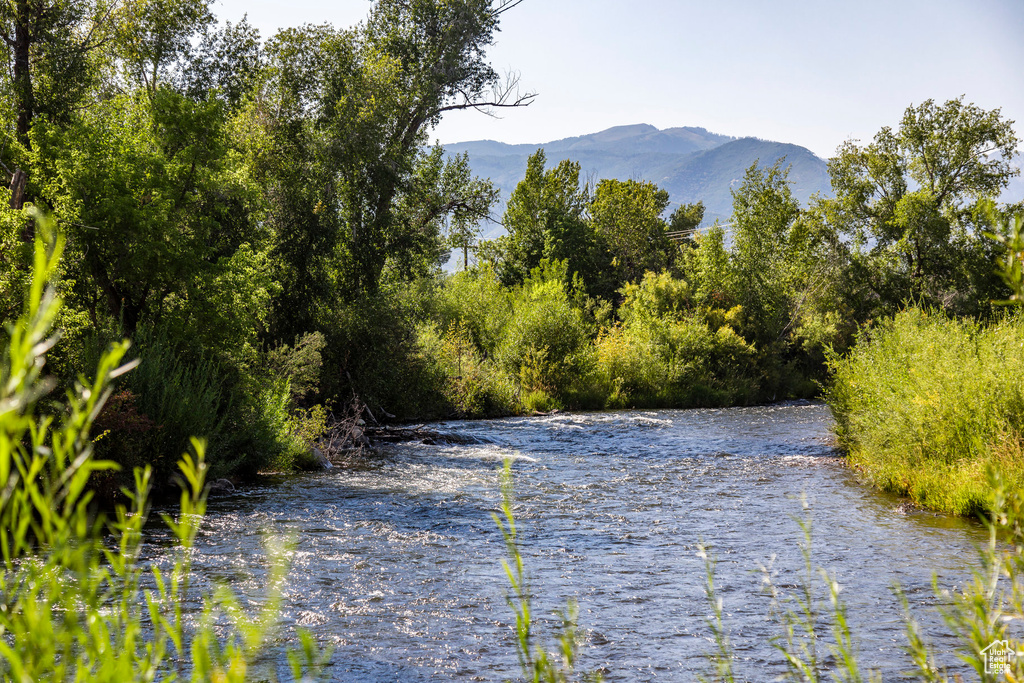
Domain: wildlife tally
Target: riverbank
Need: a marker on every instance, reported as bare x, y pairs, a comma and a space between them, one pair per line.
929, 407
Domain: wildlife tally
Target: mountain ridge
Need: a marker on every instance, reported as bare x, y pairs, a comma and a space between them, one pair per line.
690, 162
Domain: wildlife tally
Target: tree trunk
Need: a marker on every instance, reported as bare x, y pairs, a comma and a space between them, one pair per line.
18, 183
23, 94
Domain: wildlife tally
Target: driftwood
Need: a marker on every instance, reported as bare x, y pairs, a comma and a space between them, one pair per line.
345, 433
389, 434
357, 429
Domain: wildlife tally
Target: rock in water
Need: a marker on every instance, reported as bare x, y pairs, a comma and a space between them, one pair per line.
318, 460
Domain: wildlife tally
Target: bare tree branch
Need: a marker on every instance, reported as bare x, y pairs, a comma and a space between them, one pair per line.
504, 6
504, 95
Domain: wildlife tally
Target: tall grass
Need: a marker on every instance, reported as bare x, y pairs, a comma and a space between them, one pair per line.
537, 662
178, 392
925, 405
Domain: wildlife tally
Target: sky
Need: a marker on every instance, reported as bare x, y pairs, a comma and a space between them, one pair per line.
810, 72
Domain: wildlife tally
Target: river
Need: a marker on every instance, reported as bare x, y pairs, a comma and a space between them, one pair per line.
397, 559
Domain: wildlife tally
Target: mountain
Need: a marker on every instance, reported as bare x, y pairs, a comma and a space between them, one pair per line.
691, 163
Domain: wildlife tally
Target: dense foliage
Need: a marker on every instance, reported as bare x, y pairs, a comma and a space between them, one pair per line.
265, 220
926, 405
245, 210
79, 602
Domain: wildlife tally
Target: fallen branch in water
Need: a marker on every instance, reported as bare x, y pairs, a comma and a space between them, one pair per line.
357, 429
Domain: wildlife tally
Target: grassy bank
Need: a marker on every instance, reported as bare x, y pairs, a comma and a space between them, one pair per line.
926, 405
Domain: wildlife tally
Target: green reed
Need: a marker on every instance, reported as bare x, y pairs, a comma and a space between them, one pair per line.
537, 663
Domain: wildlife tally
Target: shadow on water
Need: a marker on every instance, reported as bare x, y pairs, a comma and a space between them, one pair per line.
397, 559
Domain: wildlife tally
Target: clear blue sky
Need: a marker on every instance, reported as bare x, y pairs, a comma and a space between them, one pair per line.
810, 72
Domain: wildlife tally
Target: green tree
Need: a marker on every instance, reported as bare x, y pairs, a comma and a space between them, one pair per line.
348, 115
791, 278
463, 236
47, 47
426, 58
51, 64
441, 209
546, 219
227, 63
708, 266
156, 206
155, 36
764, 256
910, 201
525, 218
287, 152
627, 215
685, 220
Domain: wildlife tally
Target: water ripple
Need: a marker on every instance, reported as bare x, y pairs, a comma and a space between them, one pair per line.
397, 559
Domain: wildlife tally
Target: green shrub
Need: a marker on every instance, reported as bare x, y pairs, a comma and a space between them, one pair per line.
664, 355
925, 404
546, 343
540, 401
169, 398
658, 295
631, 366
476, 299
245, 413
373, 351
306, 426
267, 437
654, 362
300, 363
471, 385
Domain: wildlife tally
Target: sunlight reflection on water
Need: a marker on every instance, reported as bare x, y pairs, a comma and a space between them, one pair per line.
397, 564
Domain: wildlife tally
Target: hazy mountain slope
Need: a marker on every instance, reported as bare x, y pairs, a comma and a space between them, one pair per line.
619, 140
711, 175
691, 163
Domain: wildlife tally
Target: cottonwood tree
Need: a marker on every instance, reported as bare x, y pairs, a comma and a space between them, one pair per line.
627, 214
157, 207
351, 112
441, 209
546, 218
227, 63
763, 254
426, 58
47, 49
685, 220
910, 201
154, 36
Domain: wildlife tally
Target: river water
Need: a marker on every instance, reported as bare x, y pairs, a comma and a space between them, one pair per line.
397, 559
